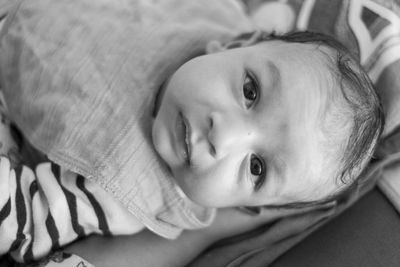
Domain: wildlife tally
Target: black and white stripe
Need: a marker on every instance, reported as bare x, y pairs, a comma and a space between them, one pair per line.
45, 209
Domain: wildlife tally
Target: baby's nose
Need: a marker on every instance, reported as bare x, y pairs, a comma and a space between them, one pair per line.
227, 133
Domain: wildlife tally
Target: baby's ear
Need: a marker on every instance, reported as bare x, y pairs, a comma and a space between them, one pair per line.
214, 47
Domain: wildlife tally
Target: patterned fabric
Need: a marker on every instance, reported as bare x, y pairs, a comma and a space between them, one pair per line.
50, 207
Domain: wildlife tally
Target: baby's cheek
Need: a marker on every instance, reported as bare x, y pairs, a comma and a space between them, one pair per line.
203, 190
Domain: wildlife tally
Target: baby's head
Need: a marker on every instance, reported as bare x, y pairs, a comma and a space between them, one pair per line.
268, 121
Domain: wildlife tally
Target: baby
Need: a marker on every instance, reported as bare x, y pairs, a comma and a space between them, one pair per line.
282, 121
262, 121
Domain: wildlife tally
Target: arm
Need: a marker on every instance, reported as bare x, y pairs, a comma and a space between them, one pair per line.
148, 249
142, 249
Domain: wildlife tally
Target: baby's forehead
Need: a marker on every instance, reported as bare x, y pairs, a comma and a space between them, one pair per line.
308, 54
300, 47
308, 70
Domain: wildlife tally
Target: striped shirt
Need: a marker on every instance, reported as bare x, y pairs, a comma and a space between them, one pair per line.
44, 208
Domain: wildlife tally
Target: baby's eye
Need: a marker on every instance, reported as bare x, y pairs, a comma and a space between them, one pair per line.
257, 171
250, 92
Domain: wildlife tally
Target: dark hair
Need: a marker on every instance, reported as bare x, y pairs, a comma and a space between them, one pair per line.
358, 92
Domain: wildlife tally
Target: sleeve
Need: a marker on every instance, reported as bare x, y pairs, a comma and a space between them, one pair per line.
46, 208
38, 213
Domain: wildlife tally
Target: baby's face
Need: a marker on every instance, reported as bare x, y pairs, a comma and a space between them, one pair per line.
241, 127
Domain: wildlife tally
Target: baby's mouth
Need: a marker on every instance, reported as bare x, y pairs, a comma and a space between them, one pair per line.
186, 133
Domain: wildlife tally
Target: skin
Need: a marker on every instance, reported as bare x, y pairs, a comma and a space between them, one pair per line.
225, 131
